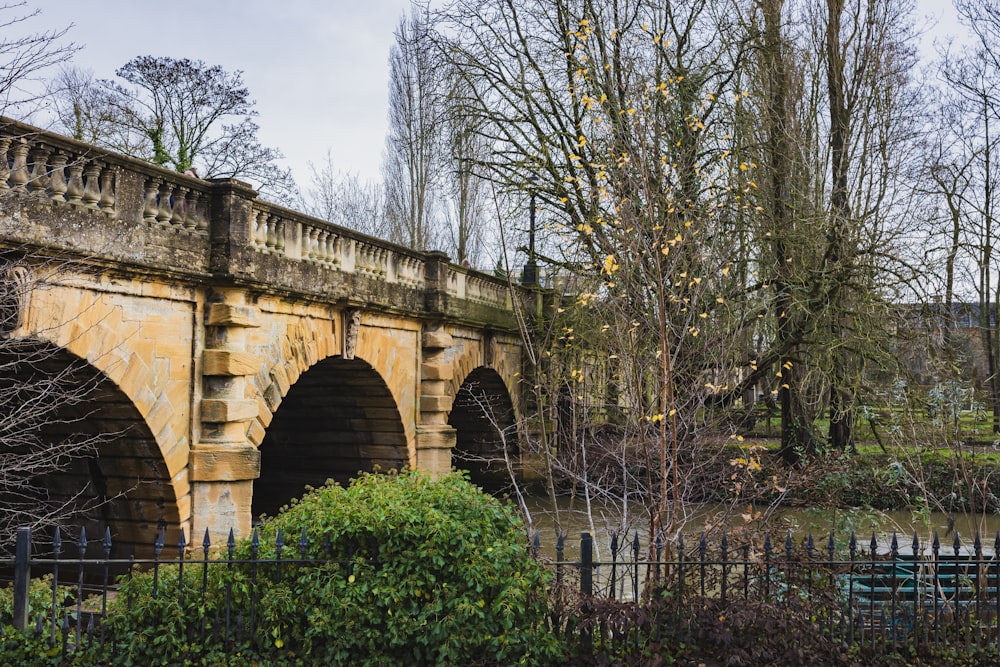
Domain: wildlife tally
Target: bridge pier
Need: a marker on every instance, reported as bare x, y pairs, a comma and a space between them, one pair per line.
224, 462
435, 437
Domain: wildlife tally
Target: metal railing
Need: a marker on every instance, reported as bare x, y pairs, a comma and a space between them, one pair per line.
879, 594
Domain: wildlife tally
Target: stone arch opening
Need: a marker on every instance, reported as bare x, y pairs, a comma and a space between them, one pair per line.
337, 420
482, 414
82, 452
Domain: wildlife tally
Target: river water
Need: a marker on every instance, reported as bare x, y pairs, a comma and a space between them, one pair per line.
603, 520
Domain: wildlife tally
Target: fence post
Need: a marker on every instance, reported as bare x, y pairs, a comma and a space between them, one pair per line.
586, 563
22, 576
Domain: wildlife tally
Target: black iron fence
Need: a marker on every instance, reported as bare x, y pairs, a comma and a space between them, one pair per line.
878, 593
881, 593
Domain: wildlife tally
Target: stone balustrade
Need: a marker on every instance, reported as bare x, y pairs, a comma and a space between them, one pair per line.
467, 284
47, 170
280, 231
50, 167
198, 219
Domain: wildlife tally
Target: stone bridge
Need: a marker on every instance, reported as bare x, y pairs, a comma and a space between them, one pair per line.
236, 350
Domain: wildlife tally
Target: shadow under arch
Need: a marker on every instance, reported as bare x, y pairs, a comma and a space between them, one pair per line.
87, 456
337, 420
483, 416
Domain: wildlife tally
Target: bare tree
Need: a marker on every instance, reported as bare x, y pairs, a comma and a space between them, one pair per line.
971, 74
177, 113
24, 56
416, 129
345, 199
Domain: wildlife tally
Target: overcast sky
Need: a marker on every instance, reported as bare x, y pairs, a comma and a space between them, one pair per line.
317, 68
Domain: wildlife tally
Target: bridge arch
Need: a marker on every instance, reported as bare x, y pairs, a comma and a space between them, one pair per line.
483, 417
114, 474
339, 418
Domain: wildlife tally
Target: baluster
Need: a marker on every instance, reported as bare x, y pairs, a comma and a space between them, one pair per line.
383, 262
57, 177
165, 213
180, 208
259, 230
335, 248
74, 188
307, 243
92, 187
19, 173
107, 200
272, 240
150, 206
40, 169
199, 208
323, 246
192, 211
314, 247
4, 164
360, 257
279, 234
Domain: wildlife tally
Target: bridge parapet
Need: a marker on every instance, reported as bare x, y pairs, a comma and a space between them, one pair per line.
64, 171
467, 284
185, 226
299, 237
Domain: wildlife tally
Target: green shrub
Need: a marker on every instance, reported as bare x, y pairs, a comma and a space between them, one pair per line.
422, 572
435, 572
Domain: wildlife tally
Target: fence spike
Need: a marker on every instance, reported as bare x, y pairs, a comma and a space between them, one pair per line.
916, 544
936, 544
536, 543
279, 541
82, 542
810, 545
702, 545
996, 543
254, 543
181, 542
873, 545
788, 544
206, 543
767, 543
107, 542
57, 542
614, 543
303, 543
831, 545
894, 546
231, 543
956, 543
725, 546
158, 543
635, 542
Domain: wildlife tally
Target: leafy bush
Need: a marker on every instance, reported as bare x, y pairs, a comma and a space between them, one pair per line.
431, 572
414, 571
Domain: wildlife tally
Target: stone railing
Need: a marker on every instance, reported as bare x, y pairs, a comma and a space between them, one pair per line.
66, 172
467, 284
280, 231
223, 215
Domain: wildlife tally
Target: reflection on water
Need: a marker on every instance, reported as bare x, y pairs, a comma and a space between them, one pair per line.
572, 517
